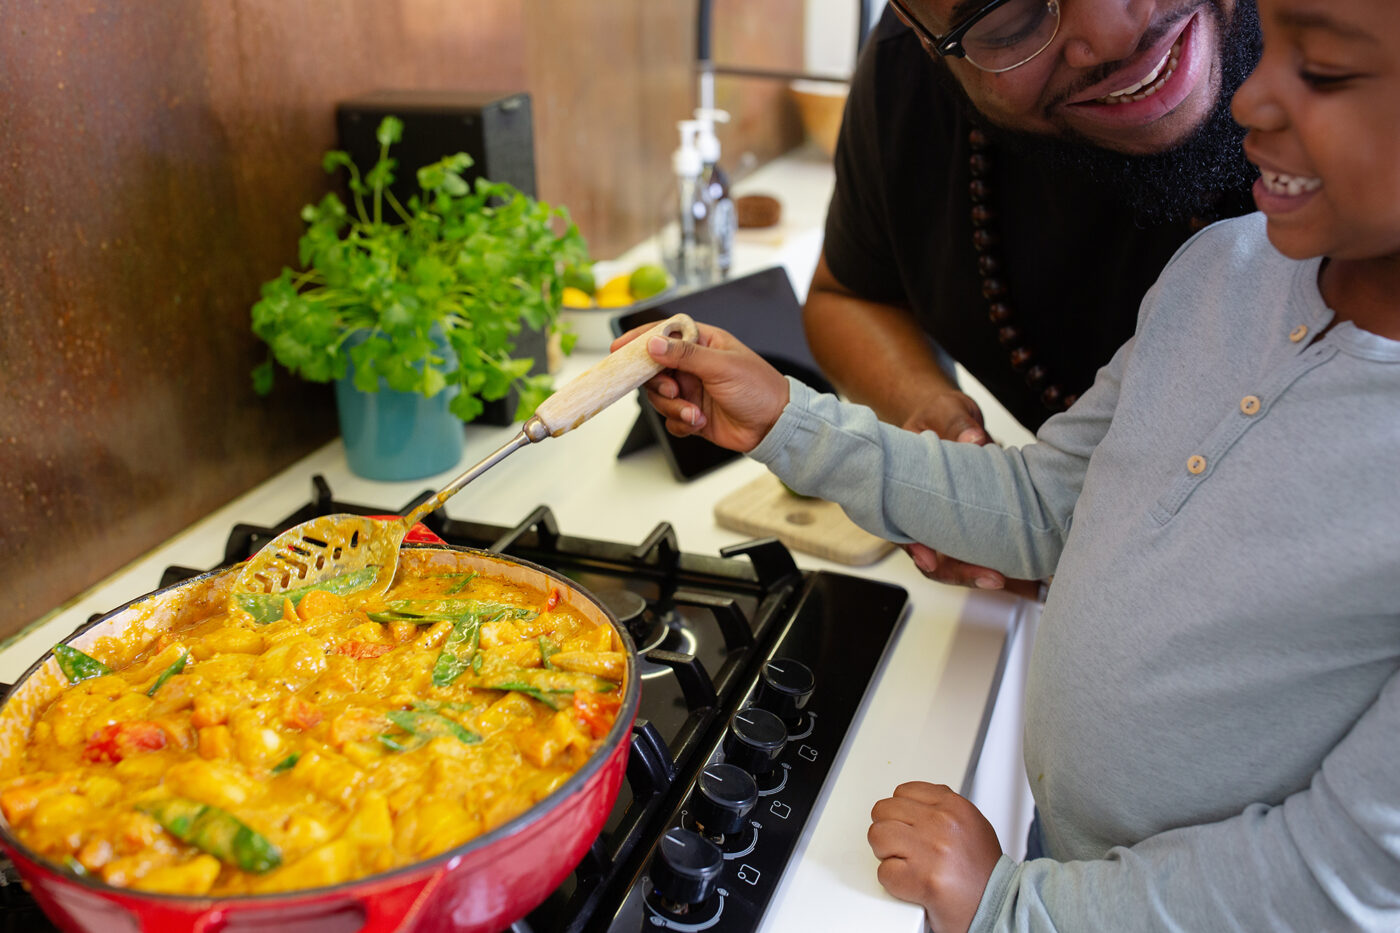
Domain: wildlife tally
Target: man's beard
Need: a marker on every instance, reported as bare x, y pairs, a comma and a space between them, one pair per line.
1203, 176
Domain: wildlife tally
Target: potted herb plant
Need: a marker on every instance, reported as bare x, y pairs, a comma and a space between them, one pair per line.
414, 309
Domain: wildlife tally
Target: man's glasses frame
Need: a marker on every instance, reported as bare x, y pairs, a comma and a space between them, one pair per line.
949, 45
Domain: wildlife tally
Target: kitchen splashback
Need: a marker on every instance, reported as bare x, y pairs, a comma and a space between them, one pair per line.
156, 156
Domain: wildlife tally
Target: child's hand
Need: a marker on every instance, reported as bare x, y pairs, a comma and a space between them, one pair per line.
936, 849
716, 388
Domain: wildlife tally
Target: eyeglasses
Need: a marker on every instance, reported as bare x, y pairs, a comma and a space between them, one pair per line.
997, 36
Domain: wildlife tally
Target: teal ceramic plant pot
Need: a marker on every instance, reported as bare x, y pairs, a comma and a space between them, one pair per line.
393, 435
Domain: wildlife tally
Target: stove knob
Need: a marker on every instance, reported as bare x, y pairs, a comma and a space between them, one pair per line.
754, 740
685, 869
724, 795
784, 687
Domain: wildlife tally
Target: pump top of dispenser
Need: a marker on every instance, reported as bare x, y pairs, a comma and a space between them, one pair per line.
705, 139
687, 161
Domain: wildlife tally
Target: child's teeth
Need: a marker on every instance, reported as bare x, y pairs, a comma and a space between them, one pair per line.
1290, 185
1150, 84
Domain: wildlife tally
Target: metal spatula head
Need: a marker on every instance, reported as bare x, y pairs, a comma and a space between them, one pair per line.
351, 553
360, 552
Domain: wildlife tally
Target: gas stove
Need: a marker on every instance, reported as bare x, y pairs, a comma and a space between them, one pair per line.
753, 671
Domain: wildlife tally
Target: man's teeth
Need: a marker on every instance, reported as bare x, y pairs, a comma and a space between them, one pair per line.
1289, 185
1151, 83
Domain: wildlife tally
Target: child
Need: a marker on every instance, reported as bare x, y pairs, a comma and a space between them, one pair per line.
1213, 706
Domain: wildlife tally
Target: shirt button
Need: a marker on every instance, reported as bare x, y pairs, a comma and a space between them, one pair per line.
1298, 333
1197, 464
1249, 404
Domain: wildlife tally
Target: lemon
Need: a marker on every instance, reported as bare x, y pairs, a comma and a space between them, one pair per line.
613, 300
580, 278
615, 287
648, 280
576, 298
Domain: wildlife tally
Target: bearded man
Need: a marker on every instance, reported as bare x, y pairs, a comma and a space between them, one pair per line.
1011, 177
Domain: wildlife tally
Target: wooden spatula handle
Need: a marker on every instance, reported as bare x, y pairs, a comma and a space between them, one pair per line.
614, 376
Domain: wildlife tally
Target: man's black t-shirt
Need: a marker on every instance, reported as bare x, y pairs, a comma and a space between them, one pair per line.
1073, 260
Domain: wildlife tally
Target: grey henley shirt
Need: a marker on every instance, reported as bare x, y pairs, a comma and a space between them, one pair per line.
1213, 705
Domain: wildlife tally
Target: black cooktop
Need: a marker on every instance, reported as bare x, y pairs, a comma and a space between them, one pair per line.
752, 673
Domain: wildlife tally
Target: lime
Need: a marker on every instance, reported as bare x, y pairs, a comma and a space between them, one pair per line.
580, 277
648, 280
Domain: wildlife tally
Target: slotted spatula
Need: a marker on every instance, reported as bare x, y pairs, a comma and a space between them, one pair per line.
362, 554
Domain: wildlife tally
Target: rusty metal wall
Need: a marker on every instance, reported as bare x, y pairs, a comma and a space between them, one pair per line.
153, 160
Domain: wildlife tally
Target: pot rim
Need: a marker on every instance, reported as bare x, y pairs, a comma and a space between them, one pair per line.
617, 736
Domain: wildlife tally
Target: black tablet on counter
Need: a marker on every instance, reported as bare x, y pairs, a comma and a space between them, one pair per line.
761, 309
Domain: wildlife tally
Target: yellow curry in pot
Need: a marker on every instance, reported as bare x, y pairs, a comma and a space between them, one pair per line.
303, 740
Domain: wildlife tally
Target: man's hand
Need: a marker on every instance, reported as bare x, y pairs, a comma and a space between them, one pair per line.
716, 387
954, 416
878, 355
950, 414
935, 849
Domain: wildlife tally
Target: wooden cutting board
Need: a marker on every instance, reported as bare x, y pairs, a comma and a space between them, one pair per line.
814, 526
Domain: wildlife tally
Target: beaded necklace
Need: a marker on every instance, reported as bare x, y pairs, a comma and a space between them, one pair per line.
994, 290
989, 265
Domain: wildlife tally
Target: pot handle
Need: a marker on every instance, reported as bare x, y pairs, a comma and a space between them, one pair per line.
395, 909
381, 911
610, 379
158, 917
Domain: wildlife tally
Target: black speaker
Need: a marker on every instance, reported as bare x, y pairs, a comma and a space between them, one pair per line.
493, 128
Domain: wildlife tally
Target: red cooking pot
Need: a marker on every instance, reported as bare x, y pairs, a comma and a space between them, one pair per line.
482, 886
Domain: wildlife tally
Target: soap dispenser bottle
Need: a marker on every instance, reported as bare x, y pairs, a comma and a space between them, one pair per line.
690, 249
725, 222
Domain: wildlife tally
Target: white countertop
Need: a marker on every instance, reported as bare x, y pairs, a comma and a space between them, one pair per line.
922, 717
